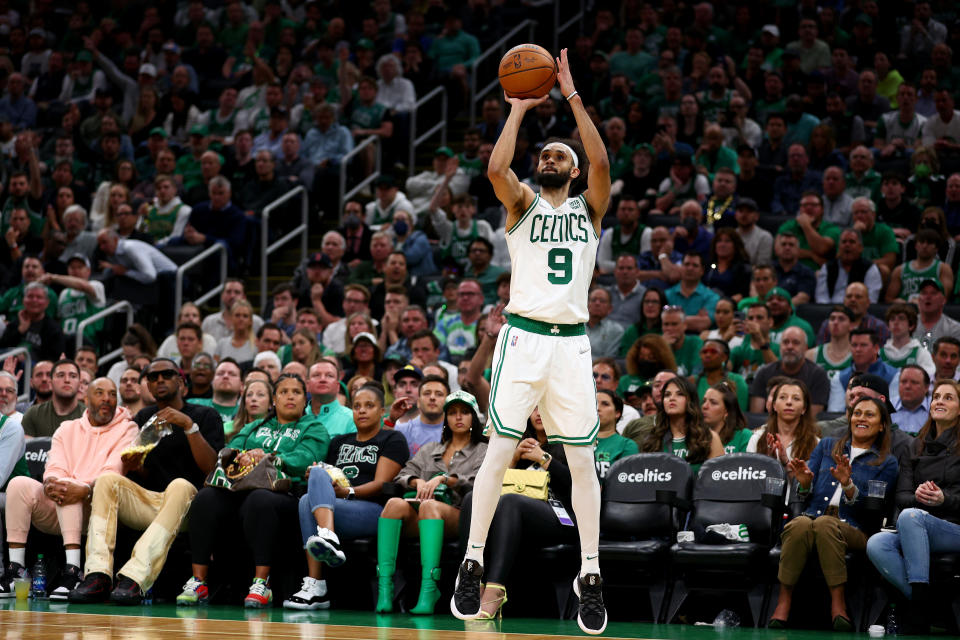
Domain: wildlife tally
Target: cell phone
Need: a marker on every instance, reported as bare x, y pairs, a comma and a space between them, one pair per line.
738, 316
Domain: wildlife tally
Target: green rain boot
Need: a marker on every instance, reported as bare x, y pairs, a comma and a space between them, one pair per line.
431, 544
388, 537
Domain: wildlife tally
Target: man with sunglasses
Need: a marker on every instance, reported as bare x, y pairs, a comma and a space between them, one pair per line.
155, 493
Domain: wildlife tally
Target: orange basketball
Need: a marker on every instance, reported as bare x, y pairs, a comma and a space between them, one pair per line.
527, 71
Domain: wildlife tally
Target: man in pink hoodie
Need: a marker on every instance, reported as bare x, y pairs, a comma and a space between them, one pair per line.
82, 450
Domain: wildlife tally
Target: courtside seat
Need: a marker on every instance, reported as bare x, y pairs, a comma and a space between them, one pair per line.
36, 455
645, 500
730, 489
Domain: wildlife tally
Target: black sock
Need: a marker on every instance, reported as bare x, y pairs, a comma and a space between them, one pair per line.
920, 592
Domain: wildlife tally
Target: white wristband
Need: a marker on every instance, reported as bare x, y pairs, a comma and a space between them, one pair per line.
195, 428
575, 92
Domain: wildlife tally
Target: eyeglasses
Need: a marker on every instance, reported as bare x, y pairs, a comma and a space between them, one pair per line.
166, 374
602, 376
11, 391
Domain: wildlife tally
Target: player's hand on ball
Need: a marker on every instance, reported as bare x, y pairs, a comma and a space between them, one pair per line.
525, 103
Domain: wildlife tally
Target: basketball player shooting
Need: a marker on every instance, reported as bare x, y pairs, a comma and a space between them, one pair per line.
542, 357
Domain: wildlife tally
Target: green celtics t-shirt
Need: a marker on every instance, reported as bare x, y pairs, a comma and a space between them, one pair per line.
366, 117
610, 449
743, 390
472, 167
745, 360
678, 447
227, 412
688, 356
75, 305
879, 241
738, 443
825, 229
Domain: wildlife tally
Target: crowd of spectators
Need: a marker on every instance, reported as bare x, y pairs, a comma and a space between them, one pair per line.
777, 171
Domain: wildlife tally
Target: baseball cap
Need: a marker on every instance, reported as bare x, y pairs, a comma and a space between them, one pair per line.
461, 396
159, 131
931, 281
409, 371
444, 151
683, 158
747, 203
320, 259
37, 31
600, 54
84, 56
79, 256
874, 383
365, 43
779, 291
385, 180
198, 130
772, 29
365, 335
171, 47
148, 69
864, 19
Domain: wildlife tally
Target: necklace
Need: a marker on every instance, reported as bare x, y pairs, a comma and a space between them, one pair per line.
714, 213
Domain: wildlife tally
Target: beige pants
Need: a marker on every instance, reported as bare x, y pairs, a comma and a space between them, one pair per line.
830, 536
26, 504
159, 515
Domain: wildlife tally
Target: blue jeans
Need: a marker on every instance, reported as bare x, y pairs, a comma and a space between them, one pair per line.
904, 557
352, 518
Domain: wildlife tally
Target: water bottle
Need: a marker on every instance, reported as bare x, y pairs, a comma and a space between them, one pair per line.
892, 629
38, 585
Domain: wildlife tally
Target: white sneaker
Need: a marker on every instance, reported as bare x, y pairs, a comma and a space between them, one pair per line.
312, 595
325, 547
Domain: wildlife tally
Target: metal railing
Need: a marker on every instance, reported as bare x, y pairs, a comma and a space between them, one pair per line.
499, 48
344, 165
441, 126
116, 307
191, 263
559, 28
27, 369
300, 230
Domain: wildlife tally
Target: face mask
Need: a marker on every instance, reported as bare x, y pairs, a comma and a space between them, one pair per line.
400, 227
922, 170
646, 369
690, 224
351, 222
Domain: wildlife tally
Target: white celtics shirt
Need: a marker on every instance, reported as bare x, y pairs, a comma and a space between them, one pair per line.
552, 254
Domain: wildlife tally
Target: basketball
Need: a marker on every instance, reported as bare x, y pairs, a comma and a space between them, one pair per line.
527, 71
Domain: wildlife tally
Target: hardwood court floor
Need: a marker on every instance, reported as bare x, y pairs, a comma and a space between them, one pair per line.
41, 621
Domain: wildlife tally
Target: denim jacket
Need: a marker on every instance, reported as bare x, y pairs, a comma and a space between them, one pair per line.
824, 484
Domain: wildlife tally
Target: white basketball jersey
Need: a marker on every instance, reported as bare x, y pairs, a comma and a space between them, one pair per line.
552, 253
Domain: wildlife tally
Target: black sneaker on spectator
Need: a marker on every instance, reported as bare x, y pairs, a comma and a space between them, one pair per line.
592, 616
465, 603
69, 579
325, 547
126, 592
95, 587
14, 571
312, 595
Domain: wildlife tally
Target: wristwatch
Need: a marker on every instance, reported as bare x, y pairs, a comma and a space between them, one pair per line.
195, 428
351, 493
545, 460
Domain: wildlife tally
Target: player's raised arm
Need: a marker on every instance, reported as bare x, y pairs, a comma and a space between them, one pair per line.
598, 176
514, 195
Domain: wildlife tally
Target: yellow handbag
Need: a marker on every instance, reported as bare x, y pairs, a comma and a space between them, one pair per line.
533, 483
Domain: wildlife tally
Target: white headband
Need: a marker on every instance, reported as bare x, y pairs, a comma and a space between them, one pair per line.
566, 149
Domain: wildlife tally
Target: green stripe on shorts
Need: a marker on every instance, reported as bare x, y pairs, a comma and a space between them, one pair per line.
494, 416
581, 441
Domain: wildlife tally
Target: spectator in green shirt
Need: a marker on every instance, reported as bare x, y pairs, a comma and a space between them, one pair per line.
452, 52
817, 237
722, 415
611, 446
879, 241
686, 348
